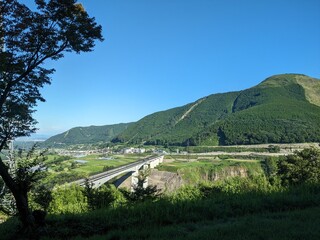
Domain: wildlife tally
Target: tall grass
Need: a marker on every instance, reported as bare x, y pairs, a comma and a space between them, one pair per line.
193, 210
205, 205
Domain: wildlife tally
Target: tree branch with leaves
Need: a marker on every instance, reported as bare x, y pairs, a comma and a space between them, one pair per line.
28, 39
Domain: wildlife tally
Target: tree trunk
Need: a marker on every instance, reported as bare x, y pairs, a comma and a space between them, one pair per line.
25, 214
20, 196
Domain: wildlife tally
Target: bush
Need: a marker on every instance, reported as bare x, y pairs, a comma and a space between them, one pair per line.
273, 149
68, 199
270, 166
187, 193
103, 197
237, 185
40, 197
301, 167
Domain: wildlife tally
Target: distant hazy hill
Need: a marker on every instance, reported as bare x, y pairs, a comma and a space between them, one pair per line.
282, 109
86, 135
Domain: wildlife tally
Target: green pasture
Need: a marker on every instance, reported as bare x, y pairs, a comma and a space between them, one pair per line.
195, 170
64, 169
174, 163
94, 163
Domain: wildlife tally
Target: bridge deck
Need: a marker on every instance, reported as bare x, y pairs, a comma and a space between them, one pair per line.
100, 178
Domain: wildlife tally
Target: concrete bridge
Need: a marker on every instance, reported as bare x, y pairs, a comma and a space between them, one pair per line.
98, 179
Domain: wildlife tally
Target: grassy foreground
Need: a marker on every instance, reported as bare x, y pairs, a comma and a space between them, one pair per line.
194, 213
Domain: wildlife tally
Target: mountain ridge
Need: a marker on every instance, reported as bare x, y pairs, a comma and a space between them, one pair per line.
86, 135
282, 108
294, 94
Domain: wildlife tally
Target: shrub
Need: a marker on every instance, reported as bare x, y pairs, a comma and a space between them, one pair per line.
103, 197
187, 193
273, 148
40, 197
68, 199
301, 167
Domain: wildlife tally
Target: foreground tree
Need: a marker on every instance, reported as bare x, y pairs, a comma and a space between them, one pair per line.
27, 39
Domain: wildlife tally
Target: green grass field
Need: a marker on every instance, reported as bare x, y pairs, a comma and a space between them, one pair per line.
201, 169
94, 164
64, 169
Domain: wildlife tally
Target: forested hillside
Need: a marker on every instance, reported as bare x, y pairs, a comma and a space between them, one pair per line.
282, 109
86, 135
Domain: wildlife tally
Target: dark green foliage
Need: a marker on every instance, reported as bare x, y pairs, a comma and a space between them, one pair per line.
207, 208
74, 165
271, 166
86, 135
275, 111
173, 127
302, 167
40, 196
7, 203
30, 169
28, 39
68, 199
273, 149
273, 123
227, 149
105, 196
59, 159
107, 168
64, 177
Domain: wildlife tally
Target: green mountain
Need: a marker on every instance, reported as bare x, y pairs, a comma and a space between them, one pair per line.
86, 135
281, 109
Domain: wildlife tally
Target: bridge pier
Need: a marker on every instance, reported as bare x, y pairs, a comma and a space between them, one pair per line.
135, 181
145, 167
135, 175
156, 162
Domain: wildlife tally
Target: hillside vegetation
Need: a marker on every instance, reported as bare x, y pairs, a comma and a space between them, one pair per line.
86, 135
282, 109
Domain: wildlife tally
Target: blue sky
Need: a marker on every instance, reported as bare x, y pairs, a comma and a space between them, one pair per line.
162, 54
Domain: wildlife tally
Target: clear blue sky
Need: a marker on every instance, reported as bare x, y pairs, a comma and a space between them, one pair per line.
162, 54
